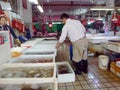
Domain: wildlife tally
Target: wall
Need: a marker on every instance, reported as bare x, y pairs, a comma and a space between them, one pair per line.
26, 14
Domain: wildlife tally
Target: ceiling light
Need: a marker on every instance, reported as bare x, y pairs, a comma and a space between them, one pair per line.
102, 8
50, 25
40, 8
118, 9
34, 1
79, 11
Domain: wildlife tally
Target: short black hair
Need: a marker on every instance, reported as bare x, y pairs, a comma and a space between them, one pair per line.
64, 15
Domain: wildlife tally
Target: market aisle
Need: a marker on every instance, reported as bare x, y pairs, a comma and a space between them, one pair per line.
96, 79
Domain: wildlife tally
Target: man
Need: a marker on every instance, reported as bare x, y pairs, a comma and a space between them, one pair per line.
75, 31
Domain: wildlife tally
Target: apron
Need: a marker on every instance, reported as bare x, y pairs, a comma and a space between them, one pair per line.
80, 49
7, 29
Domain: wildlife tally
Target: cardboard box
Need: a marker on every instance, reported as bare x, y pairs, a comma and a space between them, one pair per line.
113, 67
118, 71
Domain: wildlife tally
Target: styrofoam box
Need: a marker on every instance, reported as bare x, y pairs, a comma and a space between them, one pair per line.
52, 85
18, 49
21, 80
39, 52
31, 58
99, 39
105, 45
113, 67
95, 48
32, 42
29, 43
44, 46
112, 47
48, 42
39, 39
63, 78
50, 38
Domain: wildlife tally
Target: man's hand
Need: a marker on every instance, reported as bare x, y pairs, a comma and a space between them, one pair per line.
57, 45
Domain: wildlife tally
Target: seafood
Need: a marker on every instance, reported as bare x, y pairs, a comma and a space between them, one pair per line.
26, 72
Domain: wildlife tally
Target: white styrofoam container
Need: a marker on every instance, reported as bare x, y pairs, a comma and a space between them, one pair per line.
105, 45
44, 46
99, 39
28, 58
113, 47
53, 85
40, 52
28, 80
5, 54
47, 42
50, 38
18, 49
64, 78
31, 42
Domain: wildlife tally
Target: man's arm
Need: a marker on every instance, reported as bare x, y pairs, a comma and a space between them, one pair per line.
62, 37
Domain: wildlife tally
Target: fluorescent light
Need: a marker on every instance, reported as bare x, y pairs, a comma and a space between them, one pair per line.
34, 1
102, 8
40, 8
118, 9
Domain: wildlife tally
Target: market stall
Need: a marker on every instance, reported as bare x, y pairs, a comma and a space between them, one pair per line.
113, 48
95, 42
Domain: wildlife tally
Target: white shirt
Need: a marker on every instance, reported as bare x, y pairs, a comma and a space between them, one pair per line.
73, 29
